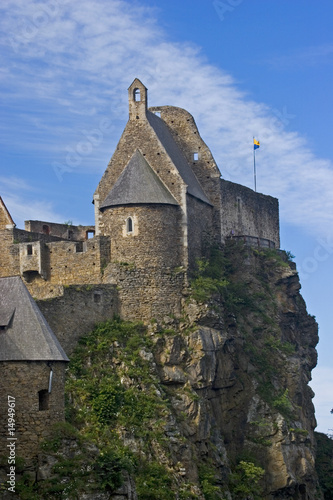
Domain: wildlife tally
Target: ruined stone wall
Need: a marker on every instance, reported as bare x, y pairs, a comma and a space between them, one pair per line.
155, 239
63, 231
200, 228
78, 309
45, 266
77, 262
10, 248
186, 134
22, 236
23, 380
244, 212
146, 294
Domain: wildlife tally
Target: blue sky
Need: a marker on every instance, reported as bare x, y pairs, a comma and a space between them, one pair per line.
242, 69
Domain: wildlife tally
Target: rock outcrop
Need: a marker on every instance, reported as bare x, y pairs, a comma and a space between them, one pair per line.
214, 404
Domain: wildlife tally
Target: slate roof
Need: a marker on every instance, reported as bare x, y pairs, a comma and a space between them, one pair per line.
137, 184
24, 332
163, 133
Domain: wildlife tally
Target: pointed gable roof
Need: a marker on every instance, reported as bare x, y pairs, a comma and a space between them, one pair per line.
24, 333
5, 217
176, 155
138, 184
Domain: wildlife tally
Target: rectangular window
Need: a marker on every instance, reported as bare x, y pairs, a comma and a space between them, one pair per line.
90, 234
79, 247
29, 249
43, 397
195, 156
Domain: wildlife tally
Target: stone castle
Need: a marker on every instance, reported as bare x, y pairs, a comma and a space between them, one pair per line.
160, 202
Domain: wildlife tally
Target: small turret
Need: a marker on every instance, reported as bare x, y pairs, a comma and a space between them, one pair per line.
137, 100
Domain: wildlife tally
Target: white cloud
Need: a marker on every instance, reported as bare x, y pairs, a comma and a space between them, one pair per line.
34, 210
69, 63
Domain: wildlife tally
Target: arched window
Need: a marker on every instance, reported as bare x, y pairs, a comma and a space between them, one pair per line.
129, 225
137, 95
46, 229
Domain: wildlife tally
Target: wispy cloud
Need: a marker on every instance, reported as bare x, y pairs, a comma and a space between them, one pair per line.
34, 210
70, 69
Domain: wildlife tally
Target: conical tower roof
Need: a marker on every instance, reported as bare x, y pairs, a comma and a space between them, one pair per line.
138, 184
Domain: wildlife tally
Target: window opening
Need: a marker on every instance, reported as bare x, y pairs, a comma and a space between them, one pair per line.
90, 234
158, 113
137, 95
195, 156
29, 249
46, 229
43, 397
79, 247
70, 234
239, 204
129, 225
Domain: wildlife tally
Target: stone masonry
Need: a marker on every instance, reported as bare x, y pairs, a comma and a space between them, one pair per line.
159, 203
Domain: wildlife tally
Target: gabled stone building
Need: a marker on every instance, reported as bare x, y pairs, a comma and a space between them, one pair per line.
32, 368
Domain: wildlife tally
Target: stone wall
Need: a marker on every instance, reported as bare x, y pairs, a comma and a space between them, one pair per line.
23, 380
155, 239
146, 294
9, 263
198, 155
78, 309
77, 262
200, 228
63, 231
139, 134
63, 263
9, 248
244, 212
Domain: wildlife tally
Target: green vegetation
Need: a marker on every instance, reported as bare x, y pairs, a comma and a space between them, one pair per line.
111, 391
244, 481
207, 482
226, 281
283, 404
324, 464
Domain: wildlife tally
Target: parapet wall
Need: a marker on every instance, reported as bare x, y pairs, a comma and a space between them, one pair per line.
247, 213
77, 310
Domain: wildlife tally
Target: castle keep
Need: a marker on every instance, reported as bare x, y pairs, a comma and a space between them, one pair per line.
159, 202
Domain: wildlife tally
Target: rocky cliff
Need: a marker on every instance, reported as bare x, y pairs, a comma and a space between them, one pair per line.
214, 404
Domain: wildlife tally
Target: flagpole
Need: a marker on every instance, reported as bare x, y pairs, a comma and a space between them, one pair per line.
254, 168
